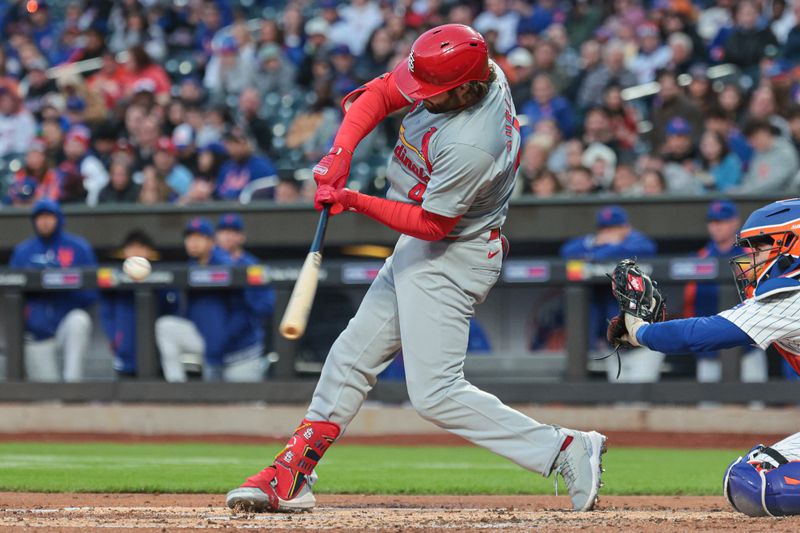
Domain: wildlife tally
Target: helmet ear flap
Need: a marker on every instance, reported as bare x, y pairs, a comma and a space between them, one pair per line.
784, 262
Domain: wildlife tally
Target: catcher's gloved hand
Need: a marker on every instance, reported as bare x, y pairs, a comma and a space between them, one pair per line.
639, 300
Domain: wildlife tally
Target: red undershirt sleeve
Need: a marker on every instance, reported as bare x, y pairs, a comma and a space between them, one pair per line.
410, 219
365, 107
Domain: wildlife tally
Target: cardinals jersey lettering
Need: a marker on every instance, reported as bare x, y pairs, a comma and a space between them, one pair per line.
460, 163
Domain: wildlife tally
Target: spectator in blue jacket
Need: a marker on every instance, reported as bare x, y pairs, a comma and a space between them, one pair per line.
118, 309
259, 302
242, 168
702, 298
219, 324
56, 323
546, 104
614, 239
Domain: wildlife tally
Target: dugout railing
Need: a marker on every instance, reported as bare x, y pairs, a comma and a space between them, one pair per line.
577, 277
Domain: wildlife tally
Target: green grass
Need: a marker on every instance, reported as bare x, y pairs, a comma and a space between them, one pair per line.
216, 468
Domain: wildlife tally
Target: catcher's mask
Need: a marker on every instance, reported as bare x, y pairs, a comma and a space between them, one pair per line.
770, 238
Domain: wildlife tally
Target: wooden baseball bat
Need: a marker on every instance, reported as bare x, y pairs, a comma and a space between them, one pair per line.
295, 318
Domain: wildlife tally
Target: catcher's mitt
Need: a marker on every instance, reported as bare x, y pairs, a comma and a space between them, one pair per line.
637, 295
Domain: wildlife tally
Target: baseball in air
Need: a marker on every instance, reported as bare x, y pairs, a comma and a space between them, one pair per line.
137, 268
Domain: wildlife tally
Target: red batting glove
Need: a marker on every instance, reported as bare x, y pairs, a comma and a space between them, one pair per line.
338, 199
334, 168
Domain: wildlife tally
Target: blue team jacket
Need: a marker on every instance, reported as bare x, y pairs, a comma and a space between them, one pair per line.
603, 307
43, 312
118, 318
228, 320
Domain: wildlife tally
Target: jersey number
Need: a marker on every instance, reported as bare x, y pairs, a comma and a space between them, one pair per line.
417, 191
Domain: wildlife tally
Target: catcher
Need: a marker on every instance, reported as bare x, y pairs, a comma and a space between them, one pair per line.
766, 482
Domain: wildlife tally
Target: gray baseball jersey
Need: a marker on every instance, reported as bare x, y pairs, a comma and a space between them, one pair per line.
457, 163
460, 163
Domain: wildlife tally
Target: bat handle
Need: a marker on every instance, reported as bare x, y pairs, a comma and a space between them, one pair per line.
322, 226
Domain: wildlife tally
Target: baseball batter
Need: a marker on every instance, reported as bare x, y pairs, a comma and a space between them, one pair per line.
451, 175
767, 480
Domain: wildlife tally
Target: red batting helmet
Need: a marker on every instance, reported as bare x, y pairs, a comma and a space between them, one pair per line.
442, 58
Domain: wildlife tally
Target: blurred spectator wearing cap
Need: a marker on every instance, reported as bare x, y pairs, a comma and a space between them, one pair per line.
611, 70
120, 189
274, 73
702, 298
601, 161
652, 56
35, 181
724, 168
55, 323
81, 162
681, 50
166, 166
356, 23
679, 157
670, 103
520, 62
545, 103
230, 69
249, 117
219, 326
17, 126
614, 238
747, 43
498, 17
317, 43
118, 310
130, 27
183, 137
342, 68
242, 168
775, 163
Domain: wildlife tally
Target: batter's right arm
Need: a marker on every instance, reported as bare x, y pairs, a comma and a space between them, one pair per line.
363, 109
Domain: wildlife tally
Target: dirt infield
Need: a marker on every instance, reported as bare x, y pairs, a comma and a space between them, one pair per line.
169, 512
647, 439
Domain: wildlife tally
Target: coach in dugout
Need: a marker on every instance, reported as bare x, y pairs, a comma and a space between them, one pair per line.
224, 326
57, 324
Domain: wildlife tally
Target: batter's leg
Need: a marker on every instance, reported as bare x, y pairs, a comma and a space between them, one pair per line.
434, 315
362, 351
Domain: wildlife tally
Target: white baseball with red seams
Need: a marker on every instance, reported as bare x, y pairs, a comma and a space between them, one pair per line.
137, 268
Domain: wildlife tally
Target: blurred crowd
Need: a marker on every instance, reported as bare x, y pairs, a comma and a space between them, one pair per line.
191, 101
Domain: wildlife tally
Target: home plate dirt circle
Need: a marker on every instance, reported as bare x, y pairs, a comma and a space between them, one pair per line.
185, 512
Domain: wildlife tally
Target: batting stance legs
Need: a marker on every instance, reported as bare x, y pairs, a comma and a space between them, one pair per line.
422, 300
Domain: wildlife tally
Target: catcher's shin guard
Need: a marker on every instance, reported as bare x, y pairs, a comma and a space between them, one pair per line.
297, 460
763, 488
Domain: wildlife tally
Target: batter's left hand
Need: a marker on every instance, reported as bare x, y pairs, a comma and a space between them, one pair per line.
329, 195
